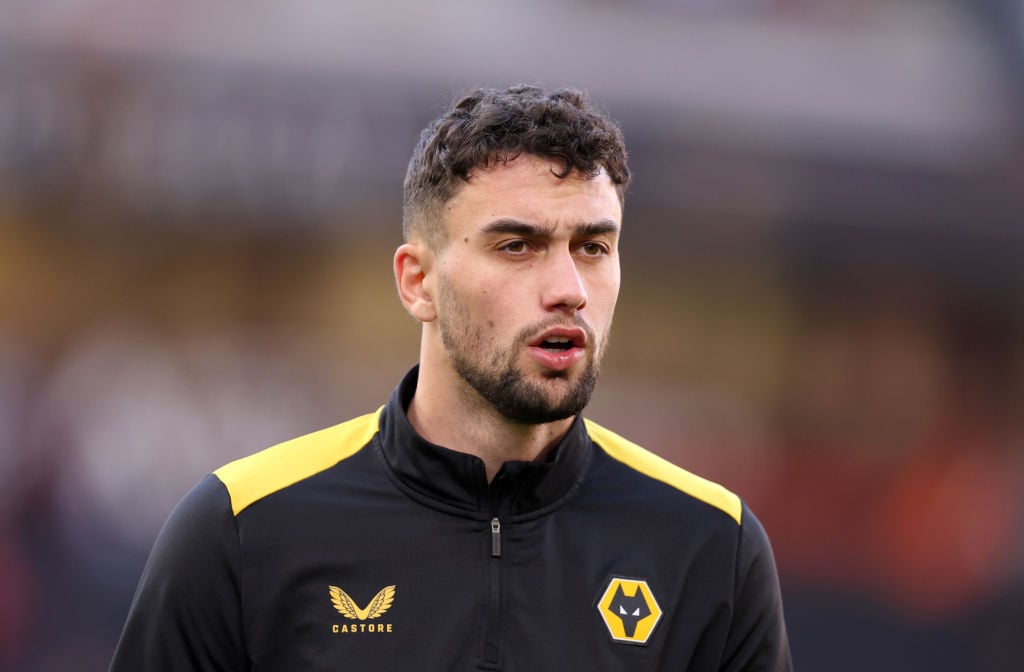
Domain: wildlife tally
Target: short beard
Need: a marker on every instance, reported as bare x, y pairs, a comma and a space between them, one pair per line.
522, 401
505, 388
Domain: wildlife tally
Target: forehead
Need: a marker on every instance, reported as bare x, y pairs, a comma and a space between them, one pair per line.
529, 189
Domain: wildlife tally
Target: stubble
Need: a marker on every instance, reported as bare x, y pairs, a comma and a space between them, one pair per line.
493, 371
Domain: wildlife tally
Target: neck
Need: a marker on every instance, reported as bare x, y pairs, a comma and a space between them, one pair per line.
446, 411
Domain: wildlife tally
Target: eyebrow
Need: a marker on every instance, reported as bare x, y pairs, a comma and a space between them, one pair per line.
514, 226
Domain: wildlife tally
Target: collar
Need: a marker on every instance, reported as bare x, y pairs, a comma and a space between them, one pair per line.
452, 479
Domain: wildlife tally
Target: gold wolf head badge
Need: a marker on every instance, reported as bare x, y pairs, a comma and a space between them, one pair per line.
629, 610
347, 607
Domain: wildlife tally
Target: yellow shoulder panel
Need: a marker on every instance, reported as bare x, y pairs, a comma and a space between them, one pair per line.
252, 478
660, 469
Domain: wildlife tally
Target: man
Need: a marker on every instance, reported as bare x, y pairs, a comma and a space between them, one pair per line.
475, 522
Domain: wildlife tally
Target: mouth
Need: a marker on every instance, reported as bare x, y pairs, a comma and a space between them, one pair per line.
556, 343
559, 349
561, 339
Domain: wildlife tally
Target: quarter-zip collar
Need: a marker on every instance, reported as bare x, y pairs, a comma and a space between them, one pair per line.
453, 479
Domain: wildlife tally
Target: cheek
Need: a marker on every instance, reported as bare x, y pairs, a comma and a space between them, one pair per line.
604, 294
471, 309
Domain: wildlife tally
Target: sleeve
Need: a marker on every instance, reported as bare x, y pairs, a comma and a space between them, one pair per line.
757, 640
186, 614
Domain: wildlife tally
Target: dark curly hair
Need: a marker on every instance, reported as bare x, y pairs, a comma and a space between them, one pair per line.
490, 125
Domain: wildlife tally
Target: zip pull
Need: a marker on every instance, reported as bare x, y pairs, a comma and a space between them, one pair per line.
495, 538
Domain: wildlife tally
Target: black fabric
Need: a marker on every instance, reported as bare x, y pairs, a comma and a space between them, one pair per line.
187, 613
260, 591
448, 478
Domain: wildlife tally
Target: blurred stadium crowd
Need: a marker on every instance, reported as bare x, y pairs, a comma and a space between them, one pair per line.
822, 308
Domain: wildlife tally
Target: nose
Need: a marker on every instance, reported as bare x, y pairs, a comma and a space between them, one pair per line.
563, 286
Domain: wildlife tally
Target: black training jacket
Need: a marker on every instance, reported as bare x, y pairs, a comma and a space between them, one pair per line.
363, 547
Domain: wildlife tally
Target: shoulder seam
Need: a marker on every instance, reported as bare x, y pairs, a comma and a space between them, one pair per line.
660, 469
252, 478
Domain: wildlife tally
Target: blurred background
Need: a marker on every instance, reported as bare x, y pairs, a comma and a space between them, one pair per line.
822, 307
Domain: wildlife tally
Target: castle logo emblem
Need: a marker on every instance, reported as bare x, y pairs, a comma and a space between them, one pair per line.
629, 610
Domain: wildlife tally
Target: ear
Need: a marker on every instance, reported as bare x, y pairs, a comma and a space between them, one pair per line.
413, 265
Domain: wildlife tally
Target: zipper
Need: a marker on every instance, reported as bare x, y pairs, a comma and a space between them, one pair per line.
492, 627
495, 537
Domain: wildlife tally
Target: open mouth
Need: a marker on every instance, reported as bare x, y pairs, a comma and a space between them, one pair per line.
557, 343
560, 348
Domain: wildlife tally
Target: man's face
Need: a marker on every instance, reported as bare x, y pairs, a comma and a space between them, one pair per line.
527, 285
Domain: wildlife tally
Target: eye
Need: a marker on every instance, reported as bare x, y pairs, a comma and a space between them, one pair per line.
515, 247
593, 248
